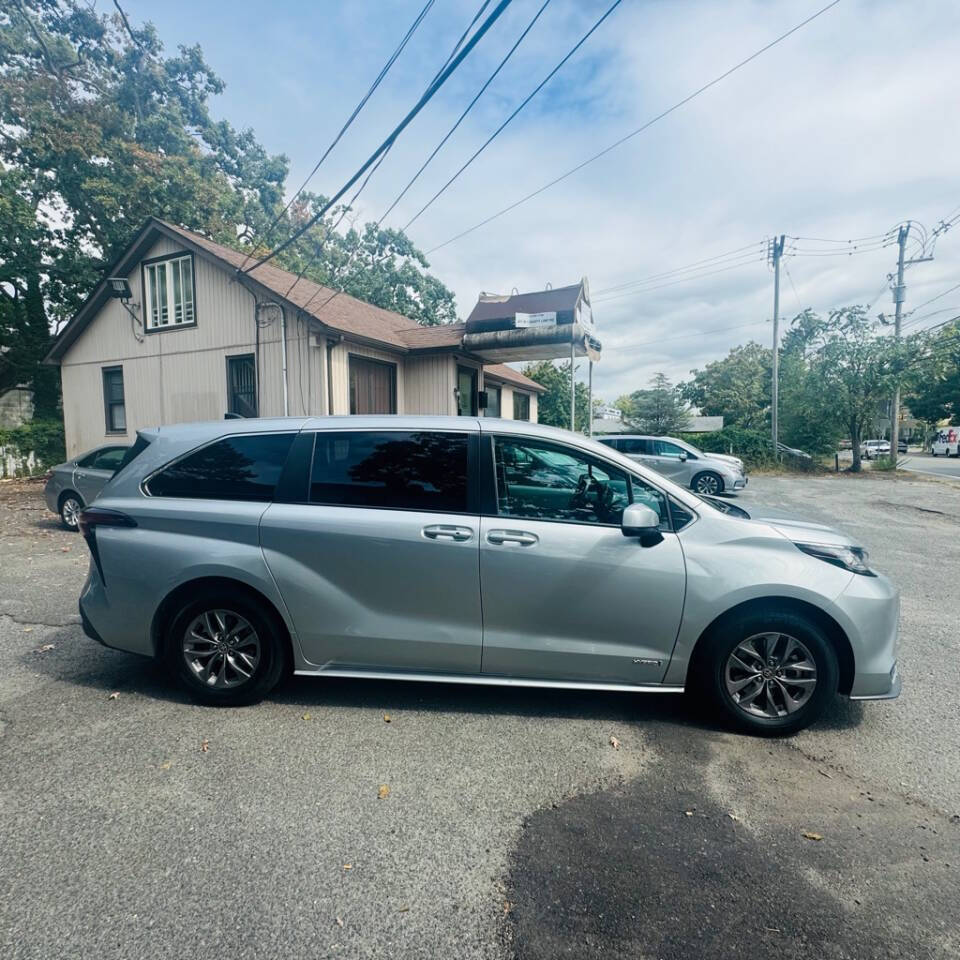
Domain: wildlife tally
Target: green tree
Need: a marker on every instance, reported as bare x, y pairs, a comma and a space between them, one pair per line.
736, 387
553, 407
658, 410
853, 369
937, 396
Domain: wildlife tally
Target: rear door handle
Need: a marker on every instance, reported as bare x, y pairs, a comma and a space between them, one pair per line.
447, 531
513, 536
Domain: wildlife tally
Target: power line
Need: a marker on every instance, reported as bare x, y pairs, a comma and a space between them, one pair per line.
440, 80
700, 276
353, 116
699, 333
720, 257
469, 107
937, 297
493, 136
636, 132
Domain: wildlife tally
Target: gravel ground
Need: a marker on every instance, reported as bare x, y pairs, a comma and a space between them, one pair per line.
141, 825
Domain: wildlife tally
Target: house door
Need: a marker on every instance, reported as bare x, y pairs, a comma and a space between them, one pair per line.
242, 385
373, 386
467, 391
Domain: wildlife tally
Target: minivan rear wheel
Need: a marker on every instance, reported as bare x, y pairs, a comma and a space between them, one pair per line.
227, 650
770, 673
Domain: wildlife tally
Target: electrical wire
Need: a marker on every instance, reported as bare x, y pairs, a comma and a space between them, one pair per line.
493, 136
634, 133
469, 107
736, 253
699, 333
384, 70
672, 283
441, 79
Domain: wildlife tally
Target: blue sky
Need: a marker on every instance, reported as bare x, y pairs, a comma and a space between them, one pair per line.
843, 130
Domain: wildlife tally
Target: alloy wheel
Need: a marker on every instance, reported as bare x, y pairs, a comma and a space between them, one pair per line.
221, 649
708, 484
70, 512
770, 675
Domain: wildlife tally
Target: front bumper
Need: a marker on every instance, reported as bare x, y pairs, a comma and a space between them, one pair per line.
740, 484
892, 692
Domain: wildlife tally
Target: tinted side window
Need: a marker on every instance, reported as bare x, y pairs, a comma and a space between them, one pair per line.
635, 446
391, 470
87, 461
236, 468
666, 449
109, 459
538, 481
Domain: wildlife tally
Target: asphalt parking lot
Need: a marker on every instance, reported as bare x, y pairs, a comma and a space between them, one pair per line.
135, 824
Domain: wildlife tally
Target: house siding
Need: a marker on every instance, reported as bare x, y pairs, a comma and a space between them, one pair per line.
179, 374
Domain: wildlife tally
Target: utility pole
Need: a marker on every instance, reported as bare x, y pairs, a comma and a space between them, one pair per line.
899, 295
573, 387
776, 252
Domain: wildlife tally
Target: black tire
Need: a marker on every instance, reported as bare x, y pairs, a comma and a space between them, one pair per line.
70, 507
272, 662
707, 478
711, 670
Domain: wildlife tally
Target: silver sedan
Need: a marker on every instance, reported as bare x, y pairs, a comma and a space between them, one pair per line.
77, 482
472, 551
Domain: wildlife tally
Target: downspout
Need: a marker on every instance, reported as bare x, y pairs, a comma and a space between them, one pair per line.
331, 344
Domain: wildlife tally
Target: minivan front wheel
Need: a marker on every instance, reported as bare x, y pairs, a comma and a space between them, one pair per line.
709, 484
226, 650
771, 674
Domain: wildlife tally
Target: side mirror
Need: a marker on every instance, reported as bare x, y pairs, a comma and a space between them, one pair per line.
642, 522
683, 455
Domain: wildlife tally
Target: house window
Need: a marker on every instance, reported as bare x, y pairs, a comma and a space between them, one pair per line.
493, 402
373, 386
168, 291
467, 391
521, 406
114, 408
242, 385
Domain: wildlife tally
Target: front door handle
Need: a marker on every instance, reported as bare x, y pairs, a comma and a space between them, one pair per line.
513, 536
447, 531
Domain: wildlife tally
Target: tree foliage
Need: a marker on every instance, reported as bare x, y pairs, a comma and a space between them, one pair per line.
937, 396
736, 387
101, 129
658, 410
553, 407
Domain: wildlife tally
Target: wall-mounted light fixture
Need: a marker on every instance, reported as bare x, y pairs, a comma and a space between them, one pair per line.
119, 288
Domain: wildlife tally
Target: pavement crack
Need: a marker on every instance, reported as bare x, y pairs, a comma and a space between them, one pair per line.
71, 622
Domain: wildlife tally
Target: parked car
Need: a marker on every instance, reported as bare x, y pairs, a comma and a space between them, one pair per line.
705, 473
368, 547
902, 446
76, 483
871, 449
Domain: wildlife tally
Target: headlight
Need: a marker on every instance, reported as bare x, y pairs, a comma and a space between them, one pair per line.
854, 559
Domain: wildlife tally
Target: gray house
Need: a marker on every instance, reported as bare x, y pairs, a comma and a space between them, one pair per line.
188, 337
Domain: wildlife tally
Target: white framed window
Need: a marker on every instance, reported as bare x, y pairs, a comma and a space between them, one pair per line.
168, 292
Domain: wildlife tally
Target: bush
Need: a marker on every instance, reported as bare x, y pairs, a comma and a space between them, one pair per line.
43, 438
753, 447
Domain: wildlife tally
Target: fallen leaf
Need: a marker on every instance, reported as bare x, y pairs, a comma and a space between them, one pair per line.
386, 718
307, 716
114, 696
166, 766
348, 866
507, 906
733, 817
688, 813
812, 836
204, 745
383, 792
28, 629
44, 648
339, 921
615, 743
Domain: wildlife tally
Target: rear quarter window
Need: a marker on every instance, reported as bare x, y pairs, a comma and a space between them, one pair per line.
245, 467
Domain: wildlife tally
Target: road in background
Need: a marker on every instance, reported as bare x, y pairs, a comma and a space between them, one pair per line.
948, 467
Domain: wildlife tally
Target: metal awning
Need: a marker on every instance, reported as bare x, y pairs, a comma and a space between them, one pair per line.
553, 342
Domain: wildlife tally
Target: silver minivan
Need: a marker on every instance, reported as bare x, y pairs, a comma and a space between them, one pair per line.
705, 473
467, 550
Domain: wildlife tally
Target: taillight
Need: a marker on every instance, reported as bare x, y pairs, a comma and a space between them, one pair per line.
94, 517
